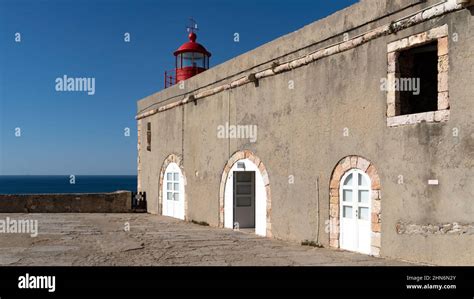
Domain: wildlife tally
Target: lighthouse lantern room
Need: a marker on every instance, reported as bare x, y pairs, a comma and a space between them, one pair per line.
191, 59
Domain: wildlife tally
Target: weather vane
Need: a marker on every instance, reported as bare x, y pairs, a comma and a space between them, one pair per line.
192, 27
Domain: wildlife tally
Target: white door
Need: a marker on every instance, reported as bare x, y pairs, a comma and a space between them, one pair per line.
355, 211
173, 192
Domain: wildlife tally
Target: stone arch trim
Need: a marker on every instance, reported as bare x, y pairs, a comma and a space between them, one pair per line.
173, 158
364, 165
237, 156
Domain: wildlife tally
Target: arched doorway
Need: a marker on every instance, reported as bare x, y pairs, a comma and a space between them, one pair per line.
245, 194
355, 206
172, 197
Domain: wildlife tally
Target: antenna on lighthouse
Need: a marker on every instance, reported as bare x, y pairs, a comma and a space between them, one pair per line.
192, 27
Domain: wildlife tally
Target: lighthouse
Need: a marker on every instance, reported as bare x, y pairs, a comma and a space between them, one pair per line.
191, 59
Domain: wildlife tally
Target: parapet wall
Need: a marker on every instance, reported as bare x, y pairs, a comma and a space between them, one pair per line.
116, 202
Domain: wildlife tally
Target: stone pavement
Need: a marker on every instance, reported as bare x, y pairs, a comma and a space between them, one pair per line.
101, 240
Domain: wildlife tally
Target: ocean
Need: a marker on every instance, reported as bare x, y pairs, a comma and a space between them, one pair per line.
31, 184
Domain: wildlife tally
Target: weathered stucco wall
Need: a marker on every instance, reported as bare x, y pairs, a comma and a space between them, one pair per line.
301, 134
116, 202
166, 139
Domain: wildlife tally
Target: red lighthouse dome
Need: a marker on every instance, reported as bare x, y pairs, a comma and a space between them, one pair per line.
191, 59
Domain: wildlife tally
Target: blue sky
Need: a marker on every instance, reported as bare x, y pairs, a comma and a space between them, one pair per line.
74, 133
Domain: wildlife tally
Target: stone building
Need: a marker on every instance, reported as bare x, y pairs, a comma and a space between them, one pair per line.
354, 132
